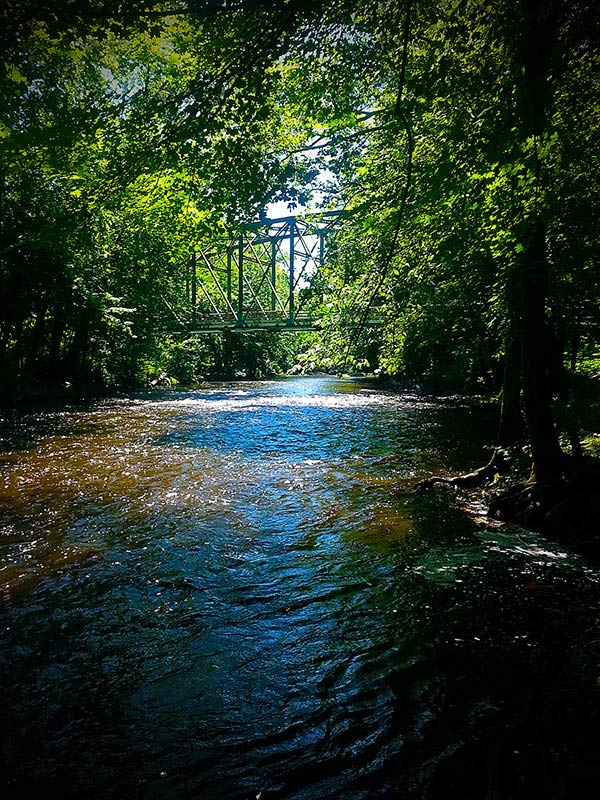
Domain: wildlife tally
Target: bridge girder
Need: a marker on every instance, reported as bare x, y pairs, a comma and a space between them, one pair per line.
258, 278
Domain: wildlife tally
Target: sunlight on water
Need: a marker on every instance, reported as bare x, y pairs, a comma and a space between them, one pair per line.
231, 590
188, 455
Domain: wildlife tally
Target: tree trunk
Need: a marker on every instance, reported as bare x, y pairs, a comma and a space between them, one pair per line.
58, 329
537, 395
538, 44
36, 336
512, 424
73, 362
18, 346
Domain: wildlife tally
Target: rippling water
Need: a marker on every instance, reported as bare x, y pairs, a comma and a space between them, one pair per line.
229, 593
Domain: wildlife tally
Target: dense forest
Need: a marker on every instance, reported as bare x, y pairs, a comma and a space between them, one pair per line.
460, 138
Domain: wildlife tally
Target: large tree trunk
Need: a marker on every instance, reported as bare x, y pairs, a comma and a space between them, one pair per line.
512, 425
537, 394
538, 44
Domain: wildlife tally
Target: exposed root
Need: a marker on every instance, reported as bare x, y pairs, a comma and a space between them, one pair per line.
567, 508
497, 465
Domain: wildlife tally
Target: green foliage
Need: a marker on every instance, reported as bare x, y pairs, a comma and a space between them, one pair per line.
118, 151
186, 361
129, 138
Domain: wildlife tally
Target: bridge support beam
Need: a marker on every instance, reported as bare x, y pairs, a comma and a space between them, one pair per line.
229, 275
273, 274
240, 306
291, 296
194, 277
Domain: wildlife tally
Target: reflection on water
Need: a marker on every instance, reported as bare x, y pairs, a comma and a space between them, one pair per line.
228, 593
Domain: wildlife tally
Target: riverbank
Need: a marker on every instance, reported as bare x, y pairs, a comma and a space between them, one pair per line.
567, 510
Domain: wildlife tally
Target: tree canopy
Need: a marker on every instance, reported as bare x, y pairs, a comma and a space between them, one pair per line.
461, 137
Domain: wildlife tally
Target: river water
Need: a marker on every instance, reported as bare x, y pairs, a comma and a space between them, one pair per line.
230, 594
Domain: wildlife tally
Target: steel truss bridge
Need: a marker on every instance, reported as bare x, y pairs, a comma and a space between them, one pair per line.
259, 278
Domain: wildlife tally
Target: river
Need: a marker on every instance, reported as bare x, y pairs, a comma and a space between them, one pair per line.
231, 594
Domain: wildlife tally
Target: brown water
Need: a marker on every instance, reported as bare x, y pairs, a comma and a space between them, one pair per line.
228, 593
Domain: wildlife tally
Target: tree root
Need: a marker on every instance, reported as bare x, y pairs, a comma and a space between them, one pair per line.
498, 464
566, 510
562, 507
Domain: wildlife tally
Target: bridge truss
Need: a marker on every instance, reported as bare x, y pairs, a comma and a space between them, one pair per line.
260, 278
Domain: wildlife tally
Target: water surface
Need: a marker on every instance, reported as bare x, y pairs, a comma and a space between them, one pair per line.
229, 593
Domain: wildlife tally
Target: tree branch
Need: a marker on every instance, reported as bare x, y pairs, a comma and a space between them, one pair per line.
400, 112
